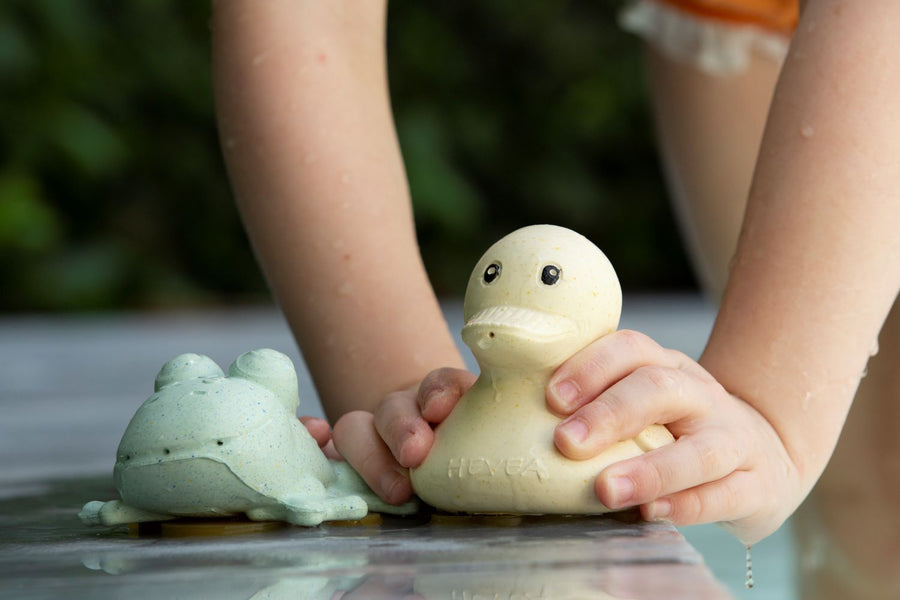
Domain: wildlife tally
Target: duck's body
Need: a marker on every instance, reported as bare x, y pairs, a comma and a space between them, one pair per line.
508, 463
537, 297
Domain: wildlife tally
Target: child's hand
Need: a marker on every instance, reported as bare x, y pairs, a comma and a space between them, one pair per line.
383, 446
727, 464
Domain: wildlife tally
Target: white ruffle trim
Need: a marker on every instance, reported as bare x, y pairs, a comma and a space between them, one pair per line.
716, 47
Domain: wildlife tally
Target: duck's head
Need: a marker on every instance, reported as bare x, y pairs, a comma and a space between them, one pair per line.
537, 296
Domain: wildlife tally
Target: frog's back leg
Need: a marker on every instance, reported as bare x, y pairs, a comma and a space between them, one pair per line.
117, 512
312, 503
349, 481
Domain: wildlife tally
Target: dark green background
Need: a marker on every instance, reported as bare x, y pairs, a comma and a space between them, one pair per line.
113, 193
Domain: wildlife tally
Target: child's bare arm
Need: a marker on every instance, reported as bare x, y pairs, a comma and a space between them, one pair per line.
817, 269
308, 137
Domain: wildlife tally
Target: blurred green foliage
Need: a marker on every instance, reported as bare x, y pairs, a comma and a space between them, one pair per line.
113, 192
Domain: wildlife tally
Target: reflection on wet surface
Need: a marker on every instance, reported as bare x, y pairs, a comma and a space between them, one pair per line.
48, 553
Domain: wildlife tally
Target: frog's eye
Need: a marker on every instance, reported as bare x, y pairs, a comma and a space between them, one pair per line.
550, 275
492, 273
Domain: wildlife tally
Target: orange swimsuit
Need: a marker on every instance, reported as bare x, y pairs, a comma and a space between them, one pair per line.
716, 36
775, 15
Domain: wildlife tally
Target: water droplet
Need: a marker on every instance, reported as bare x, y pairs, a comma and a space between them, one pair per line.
804, 405
749, 582
806, 130
346, 178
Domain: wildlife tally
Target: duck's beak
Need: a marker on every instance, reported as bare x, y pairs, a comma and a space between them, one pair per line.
522, 324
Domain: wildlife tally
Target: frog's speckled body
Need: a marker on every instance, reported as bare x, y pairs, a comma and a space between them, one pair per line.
209, 445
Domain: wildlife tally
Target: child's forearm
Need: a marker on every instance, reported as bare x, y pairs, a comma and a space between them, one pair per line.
308, 137
818, 264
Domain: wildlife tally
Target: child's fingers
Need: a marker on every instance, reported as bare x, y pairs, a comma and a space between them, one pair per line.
691, 461
331, 452
651, 394
356, 439
741, 502
606, 361
381, 447
441, 390
398, 422
592, 370
728, 499
402, 419
318, 428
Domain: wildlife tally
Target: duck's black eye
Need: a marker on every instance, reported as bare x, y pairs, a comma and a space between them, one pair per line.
550, 275
491, 273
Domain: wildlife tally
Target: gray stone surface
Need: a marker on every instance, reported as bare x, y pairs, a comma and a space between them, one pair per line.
69, 385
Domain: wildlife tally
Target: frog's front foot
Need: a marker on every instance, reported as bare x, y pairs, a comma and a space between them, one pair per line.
116, 512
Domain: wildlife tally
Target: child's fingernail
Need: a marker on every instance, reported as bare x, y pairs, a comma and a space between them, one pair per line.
566, 392
575, 430
622, 491
659, 510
